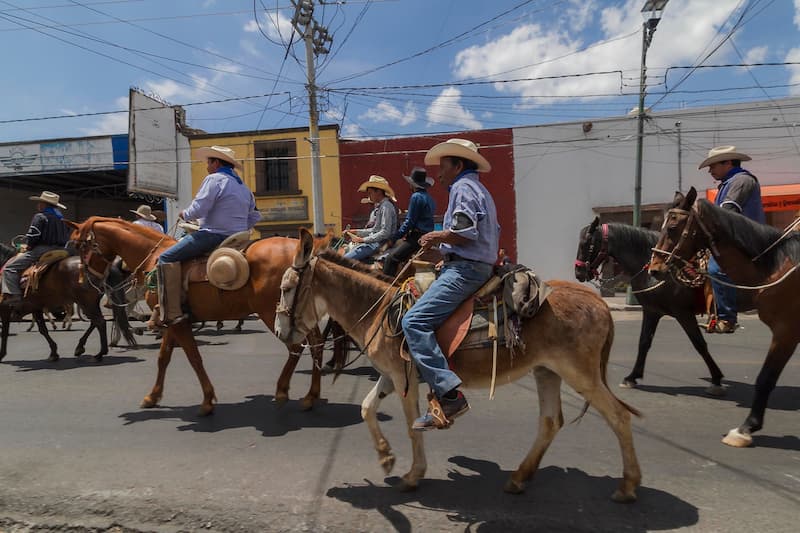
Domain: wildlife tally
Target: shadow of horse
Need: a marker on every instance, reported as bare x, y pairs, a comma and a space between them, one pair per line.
71, 363
253, 413
561, 500
783, 398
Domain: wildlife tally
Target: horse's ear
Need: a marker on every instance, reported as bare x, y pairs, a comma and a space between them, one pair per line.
304, 249
677, 200
323, 243
71, 224
691, 196
594, 224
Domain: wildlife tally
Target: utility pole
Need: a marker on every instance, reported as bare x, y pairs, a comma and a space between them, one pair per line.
680, 157
316, 38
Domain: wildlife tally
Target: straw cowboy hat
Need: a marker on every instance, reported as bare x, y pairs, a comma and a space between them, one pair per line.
48, 198
419, 178
227, 269
457, 148
723, 153
378, 182
145, 212
218, 152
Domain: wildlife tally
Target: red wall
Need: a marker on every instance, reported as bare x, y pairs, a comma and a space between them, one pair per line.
393, 158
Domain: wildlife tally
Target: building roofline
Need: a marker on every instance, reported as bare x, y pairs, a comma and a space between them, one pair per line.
63, 139
260, 132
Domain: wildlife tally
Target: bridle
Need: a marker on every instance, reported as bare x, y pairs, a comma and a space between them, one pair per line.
303, 285
593, 267
89, 249
689, 232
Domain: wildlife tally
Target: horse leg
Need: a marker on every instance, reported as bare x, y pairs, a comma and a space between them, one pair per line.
42, 325
164, 357
779, 353
551, 419
689, 325
5, 321
239, 324
99, 322
650, 322
81, 347
182, 333
369, 412
314, 392
419, 463
282, 388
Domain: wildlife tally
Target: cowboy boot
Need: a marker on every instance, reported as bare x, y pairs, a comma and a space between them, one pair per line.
169, 293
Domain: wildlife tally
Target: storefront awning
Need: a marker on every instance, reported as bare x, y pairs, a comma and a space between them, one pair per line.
774, 197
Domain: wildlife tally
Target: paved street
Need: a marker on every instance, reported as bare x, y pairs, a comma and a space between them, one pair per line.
77, 452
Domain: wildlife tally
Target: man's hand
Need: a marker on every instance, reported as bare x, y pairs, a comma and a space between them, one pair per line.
181, 216
356, 239
431, 239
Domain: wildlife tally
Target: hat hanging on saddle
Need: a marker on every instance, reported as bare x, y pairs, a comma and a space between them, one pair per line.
462, 148
378, 182
48, 198
723, 153
227, 269
419, 178
144, 211
218, 152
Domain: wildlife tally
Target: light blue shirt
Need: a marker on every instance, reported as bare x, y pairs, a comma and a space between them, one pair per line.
223, 204
471, 213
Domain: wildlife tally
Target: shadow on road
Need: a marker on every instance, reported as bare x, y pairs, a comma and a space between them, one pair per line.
783, 398
71, 363
258, 412
557, 500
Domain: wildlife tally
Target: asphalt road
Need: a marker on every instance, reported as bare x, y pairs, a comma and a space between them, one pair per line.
78, 454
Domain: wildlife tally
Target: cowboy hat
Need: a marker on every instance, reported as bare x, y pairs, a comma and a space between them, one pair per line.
227, 269
144, 211
723, 153
457, 148
419, 178
378, 182
218, 152
48, 198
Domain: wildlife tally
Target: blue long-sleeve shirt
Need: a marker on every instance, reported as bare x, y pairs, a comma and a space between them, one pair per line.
421, 208
471, 213
223, 204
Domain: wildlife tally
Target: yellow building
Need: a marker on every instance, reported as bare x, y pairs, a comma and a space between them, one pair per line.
277, 168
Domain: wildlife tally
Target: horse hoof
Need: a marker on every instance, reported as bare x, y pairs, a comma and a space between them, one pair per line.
79, 351
621, 497
387, 463
98, 358
307, 403
53, 358
716, 390
513, 487
148, 403
280, 399
407, 486
206, 410
737, 439
628, 384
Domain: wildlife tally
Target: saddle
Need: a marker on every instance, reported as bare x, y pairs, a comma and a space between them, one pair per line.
31, 275
233, 247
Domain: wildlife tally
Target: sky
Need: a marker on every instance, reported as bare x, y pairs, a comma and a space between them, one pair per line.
394, 67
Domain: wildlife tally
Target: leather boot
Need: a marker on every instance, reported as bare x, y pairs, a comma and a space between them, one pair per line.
169, 293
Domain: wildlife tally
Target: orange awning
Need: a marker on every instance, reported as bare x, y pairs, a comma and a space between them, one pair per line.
774, 197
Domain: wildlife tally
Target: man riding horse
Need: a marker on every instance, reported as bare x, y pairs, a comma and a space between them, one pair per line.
46, 232
224, 205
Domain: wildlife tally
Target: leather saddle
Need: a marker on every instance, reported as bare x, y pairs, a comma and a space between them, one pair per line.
31, 275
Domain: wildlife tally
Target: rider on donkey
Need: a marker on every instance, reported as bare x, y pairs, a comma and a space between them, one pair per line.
47, 232
469, 244
225, 205
382, 223
738, 191
418, 222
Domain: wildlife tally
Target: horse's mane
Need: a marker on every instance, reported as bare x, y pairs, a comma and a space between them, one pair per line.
358, 266
632, 237
751, 237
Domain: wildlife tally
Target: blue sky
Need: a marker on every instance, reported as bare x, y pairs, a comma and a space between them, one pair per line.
71, 57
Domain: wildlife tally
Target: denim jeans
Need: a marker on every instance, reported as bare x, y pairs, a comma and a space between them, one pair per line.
191, 246
363, 251
724, 297
458, 281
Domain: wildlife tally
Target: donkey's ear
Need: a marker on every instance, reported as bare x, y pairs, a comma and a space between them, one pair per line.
594, 224
691, 196
304, 249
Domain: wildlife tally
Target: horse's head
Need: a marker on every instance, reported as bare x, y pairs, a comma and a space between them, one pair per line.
96, 257
592, 250
296, 314
680, 239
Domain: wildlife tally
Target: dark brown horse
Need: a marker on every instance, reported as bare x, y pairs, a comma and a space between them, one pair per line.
62, 284
630, 247
570, 338
100, 240
754, 256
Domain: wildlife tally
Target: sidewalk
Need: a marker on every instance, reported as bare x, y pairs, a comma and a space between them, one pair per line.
619, 303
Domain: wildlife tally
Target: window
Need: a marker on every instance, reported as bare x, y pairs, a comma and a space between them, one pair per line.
276, 168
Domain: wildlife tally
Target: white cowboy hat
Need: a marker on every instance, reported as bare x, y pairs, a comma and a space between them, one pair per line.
218, 152
419, 178
48, 198
378, 182
227, 269
457, 148
145, 212
723, 153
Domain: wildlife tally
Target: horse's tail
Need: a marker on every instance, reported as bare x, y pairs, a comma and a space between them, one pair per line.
119, 307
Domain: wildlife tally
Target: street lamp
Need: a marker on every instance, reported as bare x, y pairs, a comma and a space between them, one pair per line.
652, 11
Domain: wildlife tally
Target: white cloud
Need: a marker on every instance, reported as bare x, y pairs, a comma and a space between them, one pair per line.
251, 26
794, 70
351, 130
274, 24
530, 50
249, 47
797, 13
110, 124
334, 113
447, 110
757, 54
386, 112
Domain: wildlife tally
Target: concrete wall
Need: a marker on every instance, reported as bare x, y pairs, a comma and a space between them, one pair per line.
563, 173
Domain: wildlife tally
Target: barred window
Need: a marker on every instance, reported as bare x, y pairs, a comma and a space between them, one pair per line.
276, 167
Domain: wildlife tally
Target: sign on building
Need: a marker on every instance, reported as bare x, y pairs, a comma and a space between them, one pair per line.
57, 156
152, 137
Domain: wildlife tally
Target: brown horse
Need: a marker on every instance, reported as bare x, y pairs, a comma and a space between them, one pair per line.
101, 239
754, 256
570, 338
63, 284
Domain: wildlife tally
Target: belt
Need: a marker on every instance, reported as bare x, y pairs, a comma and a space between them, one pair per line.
455, 257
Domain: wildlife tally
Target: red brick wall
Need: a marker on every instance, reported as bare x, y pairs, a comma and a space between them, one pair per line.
393, 158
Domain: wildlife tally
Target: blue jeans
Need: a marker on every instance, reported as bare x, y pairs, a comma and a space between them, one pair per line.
458, 281
191, 246
363, 251
724, 297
